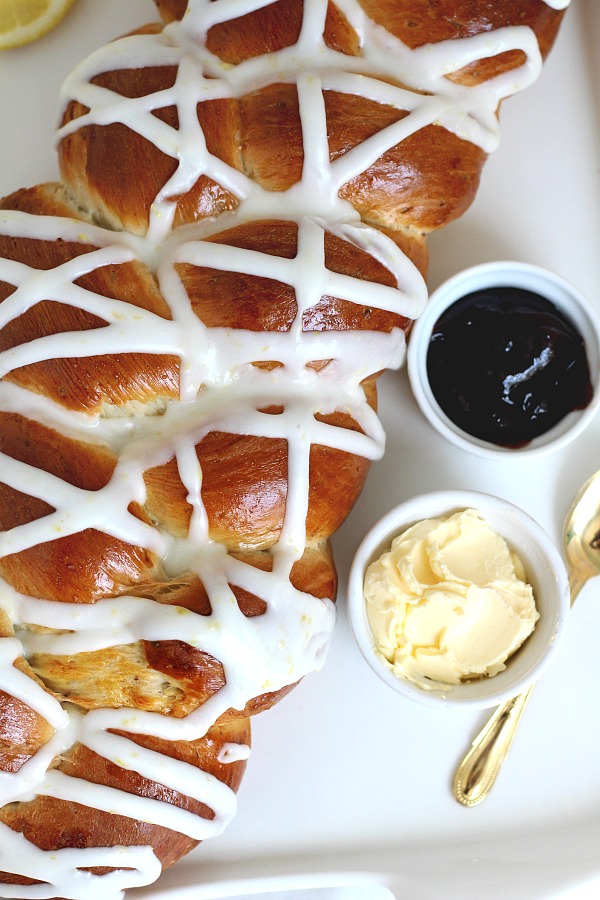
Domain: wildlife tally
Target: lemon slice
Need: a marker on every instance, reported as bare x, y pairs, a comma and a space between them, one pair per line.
23, 21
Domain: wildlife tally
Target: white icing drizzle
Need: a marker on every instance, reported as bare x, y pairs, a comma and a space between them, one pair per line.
23, 687
232, 752
59, 873
220, 389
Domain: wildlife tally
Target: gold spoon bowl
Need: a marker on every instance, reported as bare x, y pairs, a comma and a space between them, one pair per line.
476, 774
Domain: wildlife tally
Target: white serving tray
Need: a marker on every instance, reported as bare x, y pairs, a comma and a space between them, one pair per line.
348, 785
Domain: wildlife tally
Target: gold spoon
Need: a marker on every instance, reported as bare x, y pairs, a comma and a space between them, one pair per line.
476, 774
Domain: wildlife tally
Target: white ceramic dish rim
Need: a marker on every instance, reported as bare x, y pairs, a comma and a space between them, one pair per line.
545, 569
505, 273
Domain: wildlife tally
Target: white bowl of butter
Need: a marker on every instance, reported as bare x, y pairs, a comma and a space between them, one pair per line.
458, 597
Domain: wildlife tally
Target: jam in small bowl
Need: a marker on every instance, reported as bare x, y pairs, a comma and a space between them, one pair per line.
506, 357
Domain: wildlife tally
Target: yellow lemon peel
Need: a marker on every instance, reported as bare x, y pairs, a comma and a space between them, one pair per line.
24, 21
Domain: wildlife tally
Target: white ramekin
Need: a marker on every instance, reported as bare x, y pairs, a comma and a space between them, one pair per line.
565, 297
545, 571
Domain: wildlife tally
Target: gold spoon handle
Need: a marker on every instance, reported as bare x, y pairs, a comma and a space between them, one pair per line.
476, 774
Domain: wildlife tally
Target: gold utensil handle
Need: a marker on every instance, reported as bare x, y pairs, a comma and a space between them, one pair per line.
477, 773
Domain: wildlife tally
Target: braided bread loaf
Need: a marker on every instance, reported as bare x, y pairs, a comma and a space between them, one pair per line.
192, 323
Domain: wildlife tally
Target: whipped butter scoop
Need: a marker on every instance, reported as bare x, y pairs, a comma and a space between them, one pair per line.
449, 601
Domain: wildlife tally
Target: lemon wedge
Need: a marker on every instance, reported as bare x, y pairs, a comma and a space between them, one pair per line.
23, 21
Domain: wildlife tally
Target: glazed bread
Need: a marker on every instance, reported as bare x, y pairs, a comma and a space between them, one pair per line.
192, 323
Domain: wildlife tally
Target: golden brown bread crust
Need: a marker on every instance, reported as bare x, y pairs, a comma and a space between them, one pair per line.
171, 677
22, 733
52, 824
424, 182
245, 510
413, 21
266, 30
111, 176
82, 383
417, 23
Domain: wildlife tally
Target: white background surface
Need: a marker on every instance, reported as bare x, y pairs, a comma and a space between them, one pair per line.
344, 776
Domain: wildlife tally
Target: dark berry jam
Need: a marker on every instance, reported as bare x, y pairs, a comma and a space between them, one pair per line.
506, 365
